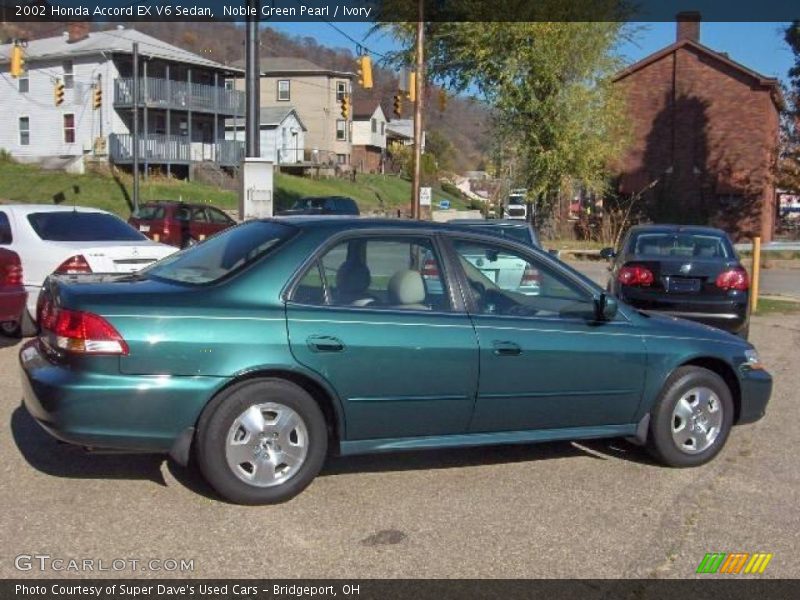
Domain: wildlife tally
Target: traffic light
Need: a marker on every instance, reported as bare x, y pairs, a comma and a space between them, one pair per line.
398, 105
412, 86
58, 93
345, 106
97, 97
442, 100
365, 71
17, 61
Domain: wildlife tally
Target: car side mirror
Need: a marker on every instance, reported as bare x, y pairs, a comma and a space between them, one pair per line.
606, 307
608, 253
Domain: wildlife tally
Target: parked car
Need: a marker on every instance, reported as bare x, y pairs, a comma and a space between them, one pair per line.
323, 205
514, 229
179, 224
276, 340
688, 272
12, 292
66, 239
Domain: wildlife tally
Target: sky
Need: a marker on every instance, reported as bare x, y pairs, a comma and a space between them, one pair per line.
759, 46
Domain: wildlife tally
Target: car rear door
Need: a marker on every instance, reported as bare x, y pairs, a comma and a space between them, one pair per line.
402, 357
545, 362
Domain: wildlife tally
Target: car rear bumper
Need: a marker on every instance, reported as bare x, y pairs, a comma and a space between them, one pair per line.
726, 314
12, 303
756, 388
101, 410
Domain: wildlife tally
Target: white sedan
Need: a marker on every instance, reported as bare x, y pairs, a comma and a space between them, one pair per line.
66, 239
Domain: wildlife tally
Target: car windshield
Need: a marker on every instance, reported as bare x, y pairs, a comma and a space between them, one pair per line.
705, 245
222, 254
518, 234
76, 226
306, 203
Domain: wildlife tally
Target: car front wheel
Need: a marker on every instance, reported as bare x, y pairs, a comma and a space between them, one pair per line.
692, 418
261, 442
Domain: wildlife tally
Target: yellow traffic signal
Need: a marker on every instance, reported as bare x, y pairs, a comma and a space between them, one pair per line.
365, 71
412, 86
345, 106
17, 61
58, 93
97, 100
442, 100
398, 105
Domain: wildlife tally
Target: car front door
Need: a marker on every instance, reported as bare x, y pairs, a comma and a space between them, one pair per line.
401, 353
545, 361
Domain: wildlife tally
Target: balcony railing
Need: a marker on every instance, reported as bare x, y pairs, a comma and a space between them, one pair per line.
179, 95
159, 148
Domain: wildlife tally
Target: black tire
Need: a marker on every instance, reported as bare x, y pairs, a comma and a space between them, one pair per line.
189, 242
660, 441
217, 420
25, 327
10, 329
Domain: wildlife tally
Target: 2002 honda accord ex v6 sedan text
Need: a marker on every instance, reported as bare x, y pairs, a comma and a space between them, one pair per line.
266, 346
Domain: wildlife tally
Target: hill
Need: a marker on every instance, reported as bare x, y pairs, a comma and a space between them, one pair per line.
464, 122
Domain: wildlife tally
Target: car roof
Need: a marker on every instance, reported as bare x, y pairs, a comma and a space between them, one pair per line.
490, 222
670, 228
26, 209
345, 222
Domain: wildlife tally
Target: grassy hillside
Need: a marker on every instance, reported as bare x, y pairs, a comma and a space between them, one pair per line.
25, 183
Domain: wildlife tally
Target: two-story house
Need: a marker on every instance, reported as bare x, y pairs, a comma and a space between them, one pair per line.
369, 137
183, 103
316, 95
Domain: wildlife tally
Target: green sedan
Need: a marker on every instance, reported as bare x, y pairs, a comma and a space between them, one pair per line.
266, 347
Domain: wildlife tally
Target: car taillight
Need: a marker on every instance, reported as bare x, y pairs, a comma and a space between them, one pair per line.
429, 268
530, 276
74, 264
11, 270
635, 275
79, 332
733, 279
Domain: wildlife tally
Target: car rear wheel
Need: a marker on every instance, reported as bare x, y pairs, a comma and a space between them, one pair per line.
25, 327
692, 418
261, 442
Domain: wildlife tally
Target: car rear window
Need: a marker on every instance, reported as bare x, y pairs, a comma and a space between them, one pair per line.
151, 212
518, 234
75, 226
681, 245
222, 254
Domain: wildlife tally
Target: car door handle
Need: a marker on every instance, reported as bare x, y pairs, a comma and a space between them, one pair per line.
506, 348
325, 343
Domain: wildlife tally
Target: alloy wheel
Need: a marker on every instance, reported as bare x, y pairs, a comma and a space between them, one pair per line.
696, 420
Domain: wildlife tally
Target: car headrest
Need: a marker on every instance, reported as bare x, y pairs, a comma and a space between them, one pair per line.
352, 278
406, 287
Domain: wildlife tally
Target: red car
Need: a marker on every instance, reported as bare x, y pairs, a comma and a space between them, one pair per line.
179, 224
12, 293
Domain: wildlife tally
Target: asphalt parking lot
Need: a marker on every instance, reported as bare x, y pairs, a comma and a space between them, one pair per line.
589, 509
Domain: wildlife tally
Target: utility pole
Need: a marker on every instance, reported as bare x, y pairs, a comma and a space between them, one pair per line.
252, 83
135, 138
418, 85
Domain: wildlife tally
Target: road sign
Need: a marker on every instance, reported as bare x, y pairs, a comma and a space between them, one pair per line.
424, 196
444, 204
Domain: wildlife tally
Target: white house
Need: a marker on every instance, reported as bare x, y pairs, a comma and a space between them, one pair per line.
183, 102
282, 132
368, 138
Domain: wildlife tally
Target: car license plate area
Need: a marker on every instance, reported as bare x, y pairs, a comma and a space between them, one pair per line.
683, 285
144, 228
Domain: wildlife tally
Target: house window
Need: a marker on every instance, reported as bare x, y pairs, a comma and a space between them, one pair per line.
230, 85
24, 131
342, 159
374, 125
383, 128
69, 128
69, 77
283, 90
341, 90
24, 83
341, 130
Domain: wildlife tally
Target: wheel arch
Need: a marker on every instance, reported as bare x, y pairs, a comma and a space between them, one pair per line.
728, 375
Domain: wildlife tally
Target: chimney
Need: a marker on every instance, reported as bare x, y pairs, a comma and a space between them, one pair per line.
77, 31
688, 26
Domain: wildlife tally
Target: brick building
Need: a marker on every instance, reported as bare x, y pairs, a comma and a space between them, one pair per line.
705, 137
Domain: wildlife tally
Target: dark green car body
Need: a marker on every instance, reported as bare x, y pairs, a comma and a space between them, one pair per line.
385, 378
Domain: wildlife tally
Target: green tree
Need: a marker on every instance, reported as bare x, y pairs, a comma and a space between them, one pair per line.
437, 144
556, 113
789, 159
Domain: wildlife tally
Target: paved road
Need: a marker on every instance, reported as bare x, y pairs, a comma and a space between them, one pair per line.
595, 509
780, 281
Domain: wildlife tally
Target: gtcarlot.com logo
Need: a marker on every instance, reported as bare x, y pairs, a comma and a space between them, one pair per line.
45, 562
734, 563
